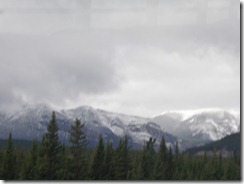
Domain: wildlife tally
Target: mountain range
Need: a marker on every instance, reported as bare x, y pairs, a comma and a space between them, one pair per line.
198, 128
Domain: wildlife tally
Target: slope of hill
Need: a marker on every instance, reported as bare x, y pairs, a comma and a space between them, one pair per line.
229, 144
199, 126
31, 122
190, 129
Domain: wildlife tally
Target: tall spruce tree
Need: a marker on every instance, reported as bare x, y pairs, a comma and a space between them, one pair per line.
64, 173
97, 167
9, 165
109, 162
78, 151
136, 167
123, 160
170, 165
42, 161
29, 170
177, 162
53, 148
161, 161
1, 163
148, 158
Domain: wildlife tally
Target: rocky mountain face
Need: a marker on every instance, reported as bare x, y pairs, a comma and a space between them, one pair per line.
199, 127
31, 122
190, 130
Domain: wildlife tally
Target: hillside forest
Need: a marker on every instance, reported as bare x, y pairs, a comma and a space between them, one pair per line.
50, 159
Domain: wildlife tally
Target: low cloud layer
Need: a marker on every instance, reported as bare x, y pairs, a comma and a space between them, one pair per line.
135, 57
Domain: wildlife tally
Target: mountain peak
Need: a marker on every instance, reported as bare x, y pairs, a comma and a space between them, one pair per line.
202, 124
185, 114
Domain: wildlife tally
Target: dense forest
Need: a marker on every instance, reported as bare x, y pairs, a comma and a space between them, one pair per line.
52, 160
227, 144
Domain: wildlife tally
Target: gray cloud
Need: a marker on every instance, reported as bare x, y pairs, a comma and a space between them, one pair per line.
139, 57
49, 68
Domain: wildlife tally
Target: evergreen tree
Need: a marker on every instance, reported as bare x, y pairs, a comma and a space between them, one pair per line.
136, 167
9, 165
170, 165
53, 148
20, 161
64, 173
123, 160
109, 165
97, 167
78, 150
29, 169
148, 158
42, 161
1, 164
161, 161
33, 161
177, 162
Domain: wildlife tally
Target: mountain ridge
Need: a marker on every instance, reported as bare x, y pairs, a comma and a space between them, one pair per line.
203, 126
31, 122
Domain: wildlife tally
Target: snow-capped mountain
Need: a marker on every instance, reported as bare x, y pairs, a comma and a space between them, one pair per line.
31, 122
200, 126
190, 128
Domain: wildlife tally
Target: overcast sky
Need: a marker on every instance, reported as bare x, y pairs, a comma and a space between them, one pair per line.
138, 57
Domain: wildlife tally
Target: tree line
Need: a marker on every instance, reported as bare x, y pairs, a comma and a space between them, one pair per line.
52, 160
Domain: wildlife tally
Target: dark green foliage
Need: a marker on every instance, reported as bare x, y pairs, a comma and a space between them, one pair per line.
109, 162
64, 172
170, 165
123, 160
1, 163
161, 162
229, 143
53, 148
29, 167
136, 165
51, 160
9, 164
148, 160
43, 160
97, 168
78, 160
20, 144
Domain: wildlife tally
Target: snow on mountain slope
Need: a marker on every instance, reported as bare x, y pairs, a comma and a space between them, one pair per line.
191, 128
31, 122
137, 128
201, 126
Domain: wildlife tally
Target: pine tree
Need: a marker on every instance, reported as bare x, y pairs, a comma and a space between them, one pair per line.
177, 162
109, 162
148, 158
97, 167
9, 165
33, 161
161, 161
123, 160
170, 165
42, 161
78, 150
20, 161
64, 173
1, 164
29, 169
136, 165
53, 148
